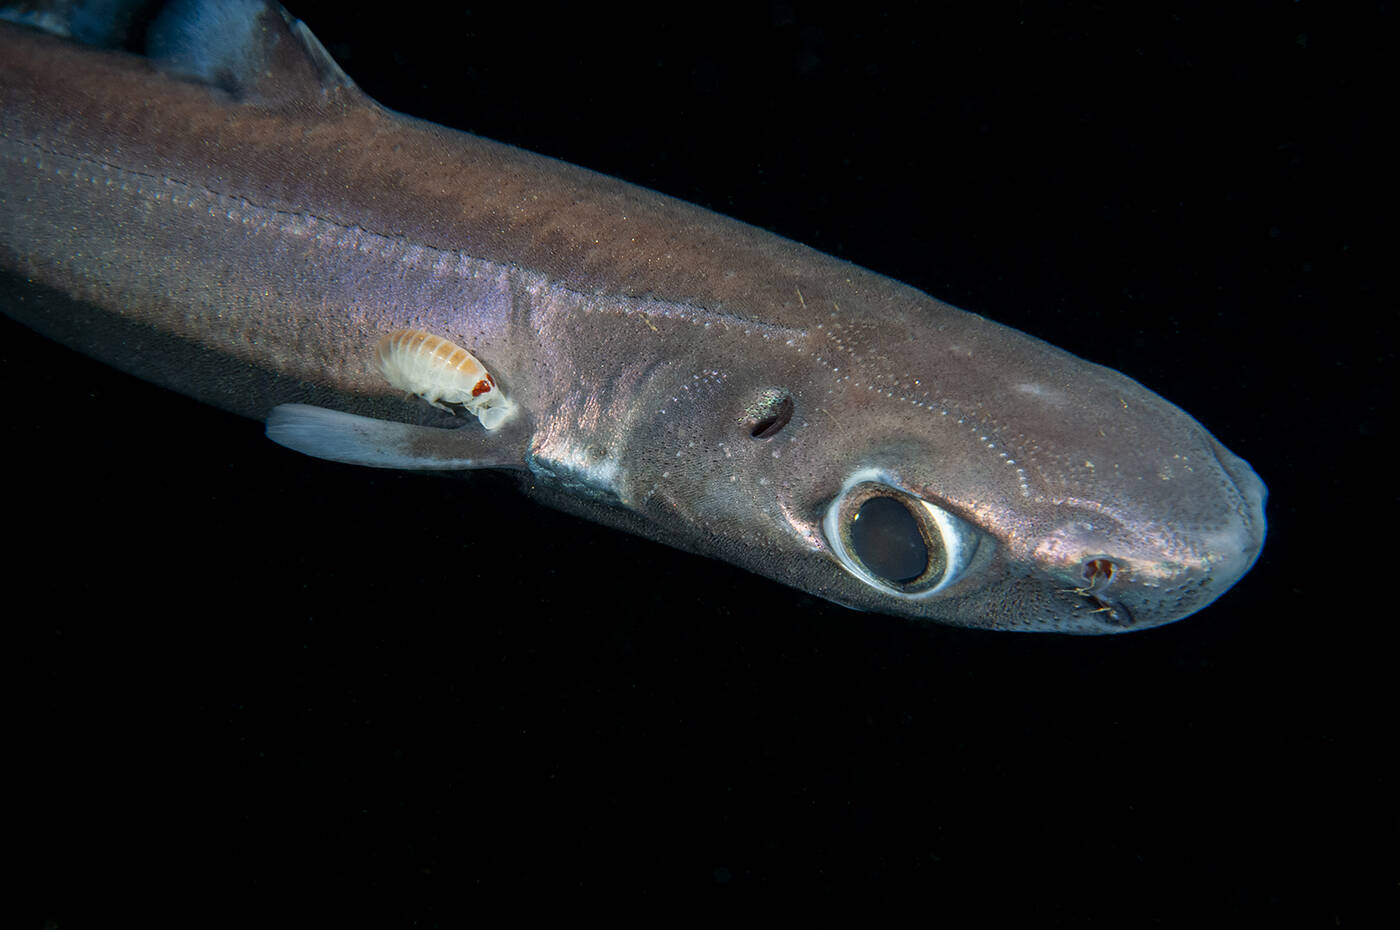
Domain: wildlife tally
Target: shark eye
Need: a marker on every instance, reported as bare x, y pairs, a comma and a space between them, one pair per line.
897, 542
889, 541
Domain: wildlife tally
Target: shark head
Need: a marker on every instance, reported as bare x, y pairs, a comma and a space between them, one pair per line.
905, 457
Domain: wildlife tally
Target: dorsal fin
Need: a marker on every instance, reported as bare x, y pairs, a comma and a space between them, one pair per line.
253, 49
117, 24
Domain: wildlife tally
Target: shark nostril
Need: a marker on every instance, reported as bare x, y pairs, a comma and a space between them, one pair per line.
1098, 573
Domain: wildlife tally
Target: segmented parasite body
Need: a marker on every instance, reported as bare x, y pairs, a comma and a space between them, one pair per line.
442, 372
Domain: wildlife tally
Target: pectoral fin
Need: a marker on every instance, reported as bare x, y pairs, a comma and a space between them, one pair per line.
357, 440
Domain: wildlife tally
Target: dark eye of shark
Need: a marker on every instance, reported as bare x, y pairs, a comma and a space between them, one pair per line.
888, 540
897, 542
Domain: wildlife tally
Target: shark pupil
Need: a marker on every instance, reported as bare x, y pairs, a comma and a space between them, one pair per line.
887, 540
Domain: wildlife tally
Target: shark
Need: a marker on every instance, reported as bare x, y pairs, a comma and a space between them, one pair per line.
226, 214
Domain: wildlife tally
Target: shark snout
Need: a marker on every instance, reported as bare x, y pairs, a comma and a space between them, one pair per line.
1238, 546
1253, 494
1123, 574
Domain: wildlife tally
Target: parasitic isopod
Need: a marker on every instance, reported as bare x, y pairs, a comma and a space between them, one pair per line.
442, 372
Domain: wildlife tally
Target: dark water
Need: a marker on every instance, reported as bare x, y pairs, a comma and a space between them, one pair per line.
274, 686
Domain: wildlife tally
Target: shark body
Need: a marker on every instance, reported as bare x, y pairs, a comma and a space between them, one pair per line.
235, 220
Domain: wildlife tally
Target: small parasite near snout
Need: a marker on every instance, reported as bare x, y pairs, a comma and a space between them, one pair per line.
442, 372
1097, 573
1098, 576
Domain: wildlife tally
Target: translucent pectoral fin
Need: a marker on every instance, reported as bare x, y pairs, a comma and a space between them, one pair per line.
357, 440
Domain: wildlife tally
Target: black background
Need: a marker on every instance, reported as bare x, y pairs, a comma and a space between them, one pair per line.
276, 688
